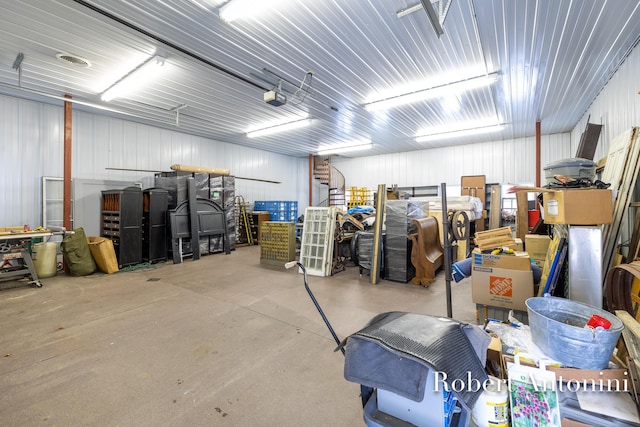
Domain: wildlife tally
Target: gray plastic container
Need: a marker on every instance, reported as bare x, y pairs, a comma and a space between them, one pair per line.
557, 327
573, 168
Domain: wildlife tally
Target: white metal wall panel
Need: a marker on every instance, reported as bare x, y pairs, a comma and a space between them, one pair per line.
504, 161
617, 107
32, 141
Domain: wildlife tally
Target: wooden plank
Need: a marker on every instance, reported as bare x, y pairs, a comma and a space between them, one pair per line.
495, 207
494, 238
631, 324
635, 240
376, 264
522, 218
502, 231
631, 337
496, 244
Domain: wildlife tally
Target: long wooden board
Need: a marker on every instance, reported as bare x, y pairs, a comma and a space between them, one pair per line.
522, 218
495, 207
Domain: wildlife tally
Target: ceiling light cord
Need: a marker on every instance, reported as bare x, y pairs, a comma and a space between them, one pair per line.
302, 89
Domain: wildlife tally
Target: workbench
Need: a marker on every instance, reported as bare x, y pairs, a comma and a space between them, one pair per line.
16, 245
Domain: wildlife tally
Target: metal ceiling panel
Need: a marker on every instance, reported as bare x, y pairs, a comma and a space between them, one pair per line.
552, 58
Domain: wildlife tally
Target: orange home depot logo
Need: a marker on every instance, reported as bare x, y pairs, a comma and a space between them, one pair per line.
500, 286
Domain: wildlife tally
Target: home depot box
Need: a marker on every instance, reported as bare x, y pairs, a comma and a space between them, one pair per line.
501, 280
578, 206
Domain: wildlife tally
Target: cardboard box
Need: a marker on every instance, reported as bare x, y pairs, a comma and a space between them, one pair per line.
537, 245
501, 280
578, 207
517, 261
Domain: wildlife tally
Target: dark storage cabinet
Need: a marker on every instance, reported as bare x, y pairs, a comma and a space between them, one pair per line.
122, 223
155, 202
397, 250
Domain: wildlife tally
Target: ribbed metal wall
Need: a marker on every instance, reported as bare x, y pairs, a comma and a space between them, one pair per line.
506, 161
31, 146
617, 107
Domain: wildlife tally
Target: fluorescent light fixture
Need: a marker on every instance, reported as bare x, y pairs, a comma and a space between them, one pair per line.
324, 151
408, 10
245, 9
135, 79
282, 127
459, 132
432, 92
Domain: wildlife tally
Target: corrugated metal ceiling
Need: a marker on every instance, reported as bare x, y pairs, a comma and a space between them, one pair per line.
552, 58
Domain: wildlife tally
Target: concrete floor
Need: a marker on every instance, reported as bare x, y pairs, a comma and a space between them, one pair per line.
222, 341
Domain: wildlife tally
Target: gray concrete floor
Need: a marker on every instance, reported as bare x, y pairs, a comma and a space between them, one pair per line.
222, 341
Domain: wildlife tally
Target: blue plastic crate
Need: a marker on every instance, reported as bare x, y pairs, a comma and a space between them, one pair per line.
259, 206
286, 206
278, 216
271, 206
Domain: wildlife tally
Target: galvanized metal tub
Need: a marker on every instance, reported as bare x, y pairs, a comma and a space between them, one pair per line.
558, 328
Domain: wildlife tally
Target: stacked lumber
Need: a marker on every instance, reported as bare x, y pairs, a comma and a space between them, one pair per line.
495, 238
628, 355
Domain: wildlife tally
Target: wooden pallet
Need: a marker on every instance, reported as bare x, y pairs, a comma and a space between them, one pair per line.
494, 238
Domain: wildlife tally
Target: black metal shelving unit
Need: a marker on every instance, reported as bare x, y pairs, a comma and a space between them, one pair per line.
122, 223
155, 204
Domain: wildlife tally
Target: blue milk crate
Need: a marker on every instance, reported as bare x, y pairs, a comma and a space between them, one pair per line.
272, 206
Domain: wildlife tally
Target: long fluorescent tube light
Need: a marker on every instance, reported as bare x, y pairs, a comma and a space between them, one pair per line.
344, 149
278, 128
458, 133
244, 9
432, 92
132, 81
408, 10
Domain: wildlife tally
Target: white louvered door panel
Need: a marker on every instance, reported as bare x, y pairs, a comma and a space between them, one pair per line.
316, 248
616, 160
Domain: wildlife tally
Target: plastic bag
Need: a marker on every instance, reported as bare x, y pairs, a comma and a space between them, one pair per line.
533, 396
